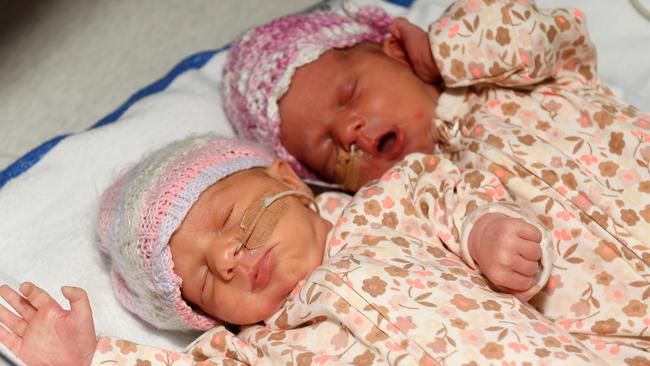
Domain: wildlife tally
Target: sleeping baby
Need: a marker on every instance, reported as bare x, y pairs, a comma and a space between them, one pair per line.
344, 97
213, 234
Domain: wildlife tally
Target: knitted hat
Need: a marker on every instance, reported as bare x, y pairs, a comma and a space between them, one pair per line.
141, 210
262, 62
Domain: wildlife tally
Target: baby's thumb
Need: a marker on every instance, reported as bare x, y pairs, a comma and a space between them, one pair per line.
79, 303
528, 294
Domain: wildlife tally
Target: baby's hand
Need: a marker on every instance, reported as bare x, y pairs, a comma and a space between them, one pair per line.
414, 45
43, 333
508, 252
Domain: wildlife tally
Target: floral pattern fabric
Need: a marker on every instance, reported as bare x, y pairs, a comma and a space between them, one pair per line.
525, 103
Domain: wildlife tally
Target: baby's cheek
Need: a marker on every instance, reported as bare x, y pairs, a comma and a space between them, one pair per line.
419, 115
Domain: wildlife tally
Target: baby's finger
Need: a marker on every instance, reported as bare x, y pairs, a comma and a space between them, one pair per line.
525, 267
19, 303
395, 26
518, 282
10, 340
415, 42
79, 303
528, 294
11, 321
37, 297
529, 232
530, 250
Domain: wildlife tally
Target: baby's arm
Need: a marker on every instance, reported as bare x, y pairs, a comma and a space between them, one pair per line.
474, 217
43, 333
511, 44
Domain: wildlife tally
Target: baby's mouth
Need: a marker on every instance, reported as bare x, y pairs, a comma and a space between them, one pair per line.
390, 145
261, 274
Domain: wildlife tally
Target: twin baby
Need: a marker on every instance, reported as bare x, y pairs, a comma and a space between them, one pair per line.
523, 146
210, 230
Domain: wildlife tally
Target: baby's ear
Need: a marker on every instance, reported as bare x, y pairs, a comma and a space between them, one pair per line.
281, 170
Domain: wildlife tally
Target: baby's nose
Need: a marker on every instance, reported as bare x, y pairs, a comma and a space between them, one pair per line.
226, 259
349, 131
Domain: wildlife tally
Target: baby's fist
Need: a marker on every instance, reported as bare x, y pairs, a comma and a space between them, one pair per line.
507, 251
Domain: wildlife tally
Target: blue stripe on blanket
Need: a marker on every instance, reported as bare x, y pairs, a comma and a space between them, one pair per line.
195, 61
25, 162
192, 62
404, 3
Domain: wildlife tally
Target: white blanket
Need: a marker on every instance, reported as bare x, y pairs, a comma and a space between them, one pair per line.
48, 212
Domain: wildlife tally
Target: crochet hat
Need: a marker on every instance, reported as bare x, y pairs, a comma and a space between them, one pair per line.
141, 210
262, 62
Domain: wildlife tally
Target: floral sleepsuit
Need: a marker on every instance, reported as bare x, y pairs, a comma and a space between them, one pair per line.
524, 102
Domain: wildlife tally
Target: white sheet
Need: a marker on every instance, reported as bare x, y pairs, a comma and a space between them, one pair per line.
47, 214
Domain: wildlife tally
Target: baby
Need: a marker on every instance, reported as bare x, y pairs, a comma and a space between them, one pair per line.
343, 97
209, 231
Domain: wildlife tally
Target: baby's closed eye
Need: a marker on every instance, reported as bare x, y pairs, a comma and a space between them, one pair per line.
347, 92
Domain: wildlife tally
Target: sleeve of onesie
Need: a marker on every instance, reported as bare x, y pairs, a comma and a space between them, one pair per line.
511, 44
453, 201
215, 347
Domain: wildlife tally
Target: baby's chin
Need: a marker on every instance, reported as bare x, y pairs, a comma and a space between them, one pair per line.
374, 171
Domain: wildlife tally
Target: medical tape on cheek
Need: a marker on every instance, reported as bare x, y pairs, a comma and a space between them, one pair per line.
259, 222
348, 169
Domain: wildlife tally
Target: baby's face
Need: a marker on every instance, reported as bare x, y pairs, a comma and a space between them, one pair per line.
247, 286
362, 96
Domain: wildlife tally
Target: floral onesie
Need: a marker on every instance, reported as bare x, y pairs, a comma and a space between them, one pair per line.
524, 102
389, 291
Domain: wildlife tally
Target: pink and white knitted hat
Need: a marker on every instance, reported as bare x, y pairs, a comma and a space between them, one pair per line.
141, 210
262, 61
